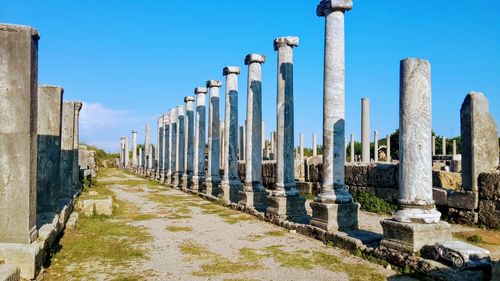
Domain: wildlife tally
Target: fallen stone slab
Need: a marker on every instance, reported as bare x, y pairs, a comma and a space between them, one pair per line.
9, 272
462, 255
98, 206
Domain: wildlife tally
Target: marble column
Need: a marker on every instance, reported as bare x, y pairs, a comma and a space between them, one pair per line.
165, 157
273, 146
189, 143
353, 149
388, 149
416, 215
375, 146
231, 184
200, 141
241, 143
301, 147
315, 145
173, 146
443, 146
67, 135
433, 145
147, 152
50, 99
222, 144
141, 159
214, 138
77, 185
285, 202
253, 194
126, 152
263, 133
333, 209
134, 149
365, 130
120, 163
159, 151
180, 138
454, 144
18, 133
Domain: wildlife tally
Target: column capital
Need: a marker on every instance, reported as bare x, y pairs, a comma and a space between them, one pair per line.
292, 41
250, 58
325, 7
166, 118
188, 99
78, 105
231, 70
134, 132
200, 90
214, 83
181, 110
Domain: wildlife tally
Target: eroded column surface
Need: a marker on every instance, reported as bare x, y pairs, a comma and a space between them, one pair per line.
254, 194
231, 184
443, 144
352, 149
127, 151
454, 147
315, 145
222, 144
214, 137
333, 208
388, 149
179, 163
173, 145
375, 146
200, 141
141, 158
301, 147
285, 201
365, 130
50, 99
18, 133
241, 143
77, 186
165, 157
433, 145
189, 143
134, 149
159, 141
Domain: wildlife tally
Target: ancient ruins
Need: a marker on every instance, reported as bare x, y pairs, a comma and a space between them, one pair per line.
214, 155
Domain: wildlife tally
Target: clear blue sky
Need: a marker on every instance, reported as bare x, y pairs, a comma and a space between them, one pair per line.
129, 60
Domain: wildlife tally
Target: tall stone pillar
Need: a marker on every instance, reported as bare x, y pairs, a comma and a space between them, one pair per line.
18, 133
333, 209
433, 145
159, 151
200, 141
253, 194
188, 143
222, 145
147, 151
120, 161
454, 145
315, 145
273, 146
285, 202
375, 146
77, 186
241, 143
231, 184
134, 149
301, 147
365, 130
179, 140
388, 149
353, 160
416, 215
140, 159
443, 144
164, 158
263, 134
173, 146
214, 140
126, 151
50, 99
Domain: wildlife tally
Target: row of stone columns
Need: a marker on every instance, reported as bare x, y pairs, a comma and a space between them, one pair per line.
39, 139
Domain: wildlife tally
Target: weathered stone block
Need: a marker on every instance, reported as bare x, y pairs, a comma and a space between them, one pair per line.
291, 208
447, 180
440, 196
463, 200
387, 194
489, 213
461, 216
314, 169
338, 217
100, 207
9, 272
489, 186
369, 189
383, 175
356, 175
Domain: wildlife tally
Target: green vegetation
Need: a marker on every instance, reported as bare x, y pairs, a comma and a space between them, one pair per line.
372, 203
228, 215
174, 228
275, 233
103, 158
476, 238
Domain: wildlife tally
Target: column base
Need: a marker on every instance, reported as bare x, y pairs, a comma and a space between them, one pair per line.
332, 216
411, 237
254, 199
162, 177
417, 214
229, 191
197, 183
212, 188
177, 181
291, 208
185, 183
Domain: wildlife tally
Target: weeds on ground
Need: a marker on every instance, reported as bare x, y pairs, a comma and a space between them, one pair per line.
372, 203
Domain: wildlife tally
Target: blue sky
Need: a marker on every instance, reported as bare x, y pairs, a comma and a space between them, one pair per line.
129, 61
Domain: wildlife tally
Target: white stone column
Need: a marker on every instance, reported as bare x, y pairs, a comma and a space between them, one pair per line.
214, 138
273, 146
159, 151
353, 146
443, 144
454, 147
200, 141
164, 146
433, 145
375, 146
285, 201
388, 149
173, 146
241, 143
315, 145
147, 150
333, 208
254, 194
365, 130
126, 152
301, 147
222, 145
134, 149
263, 138
141, 158
180, 138
189, 143
231, 184
77, 186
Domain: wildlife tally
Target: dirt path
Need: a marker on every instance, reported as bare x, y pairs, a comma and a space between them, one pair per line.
188, 238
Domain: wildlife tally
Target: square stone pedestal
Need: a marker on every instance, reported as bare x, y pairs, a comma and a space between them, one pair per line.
197, 184
291, 208
411, 237
256, 200
230, 192
185, 183
332, 216
211, 188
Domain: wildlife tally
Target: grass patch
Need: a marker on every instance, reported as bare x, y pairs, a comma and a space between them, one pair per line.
476, 238
275, 233
229, 216
372, 203
356, 272
254, 237
174, 228
308, 196
294, 259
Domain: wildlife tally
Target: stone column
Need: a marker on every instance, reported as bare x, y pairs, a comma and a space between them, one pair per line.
388, 149
443, 143
301, 147
333, 208
77, 186
165, 159
454, 144
140, 159
433, 146
159, 151
273, 146
416, 215
147, 152
188, 143
285, 202
50, 99
241, 143
231, 184
199, 142
134, 149
254, 194
67, 135
126, 152
353, 159
375, 146
179, 163
263, 134
365, 130
173, 146
315, 145
214, 140
18, 133
120, 161
222, 144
